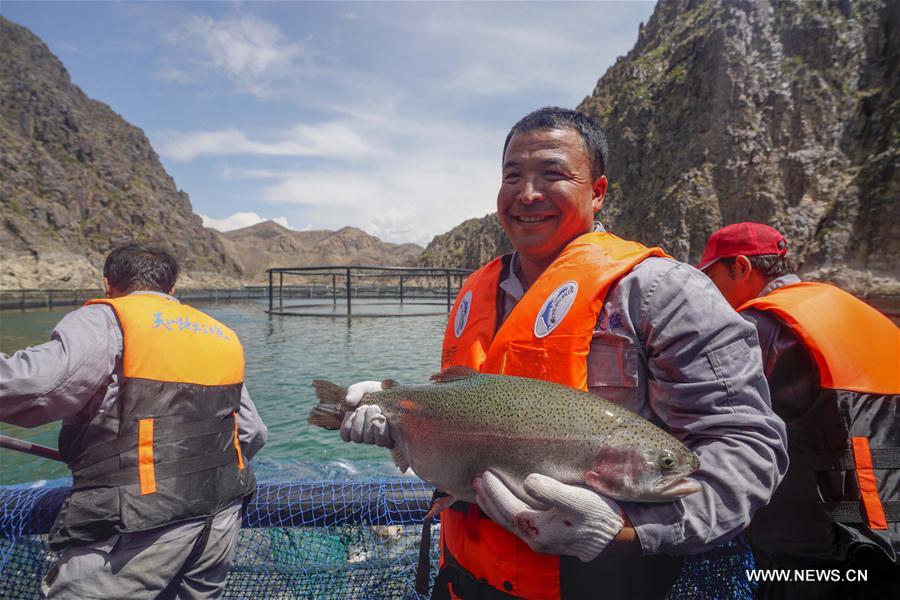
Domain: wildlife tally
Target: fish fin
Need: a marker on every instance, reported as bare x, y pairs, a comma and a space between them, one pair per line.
329, 413
454, 374
327, 416
399, 459
388, 384
329, 393
439, 505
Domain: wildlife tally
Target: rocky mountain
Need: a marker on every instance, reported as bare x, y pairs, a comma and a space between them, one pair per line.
468, 245
268, 244
781, 111
77, 179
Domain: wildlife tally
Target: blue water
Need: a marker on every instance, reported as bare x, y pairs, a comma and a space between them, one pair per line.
283, 355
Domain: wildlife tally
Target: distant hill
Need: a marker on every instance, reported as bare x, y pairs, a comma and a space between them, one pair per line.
78, 179
268, 244
468, 245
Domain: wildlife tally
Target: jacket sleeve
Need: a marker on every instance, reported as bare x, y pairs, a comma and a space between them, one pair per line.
252, 432
706, 385
57, 379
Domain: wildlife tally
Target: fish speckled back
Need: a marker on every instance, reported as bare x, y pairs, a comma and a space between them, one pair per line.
453, 430
518, 405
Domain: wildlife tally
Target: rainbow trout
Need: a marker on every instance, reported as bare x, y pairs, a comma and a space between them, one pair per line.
468, 422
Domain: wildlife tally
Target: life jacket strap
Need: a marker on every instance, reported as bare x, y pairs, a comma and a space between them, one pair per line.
236, 442
844, 460
131, 475
162, 434
853, 512
146, 468
865, 479
423, 568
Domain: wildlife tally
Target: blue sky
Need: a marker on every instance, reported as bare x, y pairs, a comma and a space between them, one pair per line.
385, 116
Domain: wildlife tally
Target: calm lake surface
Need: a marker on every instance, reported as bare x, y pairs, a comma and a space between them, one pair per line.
283, 355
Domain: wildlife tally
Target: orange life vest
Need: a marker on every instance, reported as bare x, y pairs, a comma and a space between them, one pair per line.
856, 349
168, 451
546, 336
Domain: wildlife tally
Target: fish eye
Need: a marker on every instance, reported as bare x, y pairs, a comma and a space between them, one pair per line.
666, 461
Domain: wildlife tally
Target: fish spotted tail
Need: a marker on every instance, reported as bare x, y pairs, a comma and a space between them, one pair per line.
329, 413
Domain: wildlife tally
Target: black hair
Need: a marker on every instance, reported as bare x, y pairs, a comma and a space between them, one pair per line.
771, 266
140, 266
554, 117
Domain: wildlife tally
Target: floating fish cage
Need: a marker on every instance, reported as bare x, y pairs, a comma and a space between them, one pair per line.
332, 540
23, 299
362, 291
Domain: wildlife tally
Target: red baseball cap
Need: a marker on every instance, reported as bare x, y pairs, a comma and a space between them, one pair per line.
748, 239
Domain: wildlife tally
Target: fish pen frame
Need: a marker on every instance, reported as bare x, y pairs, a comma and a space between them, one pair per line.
348, 272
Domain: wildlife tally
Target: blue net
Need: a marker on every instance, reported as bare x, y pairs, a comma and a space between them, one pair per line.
356, 539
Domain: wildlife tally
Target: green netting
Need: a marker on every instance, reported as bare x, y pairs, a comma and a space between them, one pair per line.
341, 540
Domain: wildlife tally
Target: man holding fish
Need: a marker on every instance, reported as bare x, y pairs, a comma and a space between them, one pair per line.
577, 306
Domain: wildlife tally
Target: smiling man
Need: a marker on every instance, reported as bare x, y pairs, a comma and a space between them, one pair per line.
579, 306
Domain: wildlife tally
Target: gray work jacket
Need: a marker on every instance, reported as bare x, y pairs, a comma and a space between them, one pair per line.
78, 373
669, 347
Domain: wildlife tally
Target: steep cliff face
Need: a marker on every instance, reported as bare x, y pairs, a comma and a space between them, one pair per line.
785, 112
78, 179
468, 245
268, 244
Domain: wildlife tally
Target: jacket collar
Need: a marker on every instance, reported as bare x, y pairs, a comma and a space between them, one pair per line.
779, 282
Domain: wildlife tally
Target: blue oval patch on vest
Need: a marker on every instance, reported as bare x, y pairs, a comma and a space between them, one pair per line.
555, 308
462, 314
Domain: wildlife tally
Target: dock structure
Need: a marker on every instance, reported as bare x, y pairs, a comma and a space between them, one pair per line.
400, 286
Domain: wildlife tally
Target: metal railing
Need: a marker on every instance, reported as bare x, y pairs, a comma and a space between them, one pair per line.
411, 282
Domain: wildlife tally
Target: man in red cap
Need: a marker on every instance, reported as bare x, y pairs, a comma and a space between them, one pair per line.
833, 366
743, 258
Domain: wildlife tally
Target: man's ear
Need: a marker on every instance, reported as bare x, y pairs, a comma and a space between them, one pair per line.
742, 267
171, 291
107, 289
599, 188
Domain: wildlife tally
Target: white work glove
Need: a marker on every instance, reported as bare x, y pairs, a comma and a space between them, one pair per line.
579, 522
367, 424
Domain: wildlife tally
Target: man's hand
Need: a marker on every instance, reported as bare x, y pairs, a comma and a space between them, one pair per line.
367, 424
579, 522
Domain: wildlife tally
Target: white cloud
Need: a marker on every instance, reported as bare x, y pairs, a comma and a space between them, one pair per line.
173, 75
392, 202
249, 50
493, 61
422, 175
239, 220
328, 140
433, 175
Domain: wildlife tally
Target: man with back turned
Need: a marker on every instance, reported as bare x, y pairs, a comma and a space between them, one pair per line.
579, 306
158, 430
833, 366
